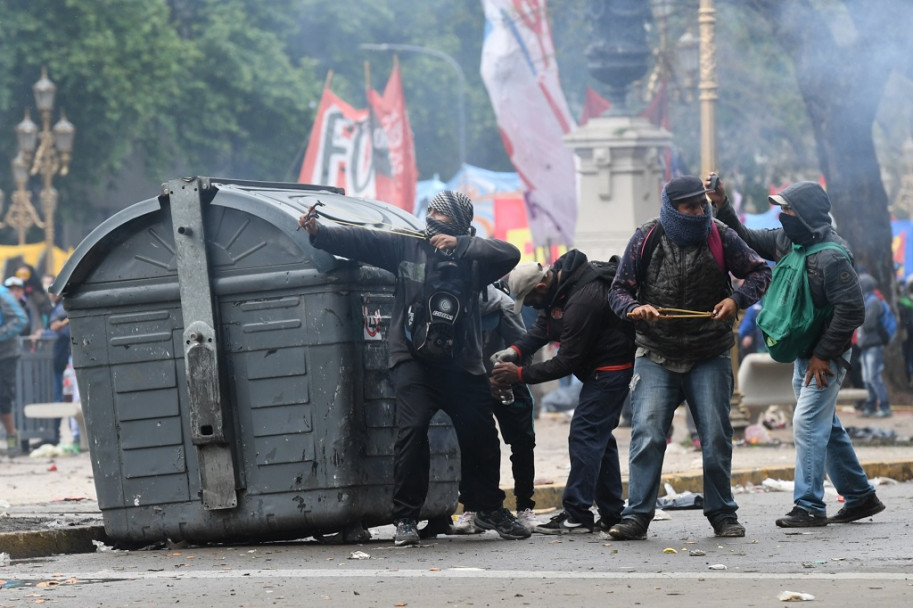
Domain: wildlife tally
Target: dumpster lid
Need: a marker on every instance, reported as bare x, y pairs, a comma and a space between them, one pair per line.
280, 204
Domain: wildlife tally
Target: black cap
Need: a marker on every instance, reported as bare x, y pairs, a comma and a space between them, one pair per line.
684, 187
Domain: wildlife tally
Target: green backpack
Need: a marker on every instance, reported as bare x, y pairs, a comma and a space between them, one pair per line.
789, 320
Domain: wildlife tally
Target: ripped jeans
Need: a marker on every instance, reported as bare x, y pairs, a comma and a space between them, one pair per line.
655, 393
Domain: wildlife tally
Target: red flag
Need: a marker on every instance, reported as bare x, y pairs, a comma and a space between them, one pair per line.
395, 172
594, 105
339, 152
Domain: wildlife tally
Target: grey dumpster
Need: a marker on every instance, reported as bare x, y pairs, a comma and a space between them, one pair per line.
233, 378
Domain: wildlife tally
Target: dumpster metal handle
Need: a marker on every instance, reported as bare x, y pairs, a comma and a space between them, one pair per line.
201, 348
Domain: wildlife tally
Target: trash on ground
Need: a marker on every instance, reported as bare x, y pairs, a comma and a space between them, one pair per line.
359, 555
795, 596
717, 567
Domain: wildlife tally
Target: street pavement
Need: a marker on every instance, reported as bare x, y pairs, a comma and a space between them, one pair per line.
48, 505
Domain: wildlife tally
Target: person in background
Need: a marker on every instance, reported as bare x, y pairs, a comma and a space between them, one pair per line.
872, 342
12, 320
905, 308
444, 369
822, 444
682, 260
36, 295
598, 348
501, 325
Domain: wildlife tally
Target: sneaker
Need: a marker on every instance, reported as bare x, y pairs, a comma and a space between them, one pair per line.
435, 526
604, 524
563, 523
629, 528
882, 414
406, 533
503, 522
527, 519
869, 507
466, 524
800, 518
729, 527
13, 447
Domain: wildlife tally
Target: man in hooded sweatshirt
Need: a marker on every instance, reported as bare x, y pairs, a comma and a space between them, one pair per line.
872, 340
598, 348
427, 378
682, 260
822, 444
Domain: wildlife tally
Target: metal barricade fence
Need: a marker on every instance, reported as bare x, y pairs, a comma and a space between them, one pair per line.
35, 384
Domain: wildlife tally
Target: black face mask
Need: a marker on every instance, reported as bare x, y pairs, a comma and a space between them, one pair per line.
797, 231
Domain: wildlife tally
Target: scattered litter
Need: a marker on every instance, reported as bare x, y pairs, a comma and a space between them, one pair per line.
717, 567
47, 451
698, 553
872, 435
883, 481
359, 555
52, 468
661, 515
795, 596
100, 546
774, 418
669, 550
4, 559
756, 434
778, 485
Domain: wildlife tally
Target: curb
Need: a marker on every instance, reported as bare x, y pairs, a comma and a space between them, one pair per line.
42, 543
78, 539
549, 497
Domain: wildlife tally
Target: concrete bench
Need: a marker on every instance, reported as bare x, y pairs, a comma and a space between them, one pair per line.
764, 382
60, 409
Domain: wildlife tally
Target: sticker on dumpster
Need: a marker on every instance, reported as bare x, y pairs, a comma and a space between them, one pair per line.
372, 324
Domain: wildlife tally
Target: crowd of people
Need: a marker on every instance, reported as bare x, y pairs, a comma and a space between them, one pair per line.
29, 312
652, 328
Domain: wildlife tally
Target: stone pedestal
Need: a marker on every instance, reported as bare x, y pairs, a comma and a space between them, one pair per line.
620, 176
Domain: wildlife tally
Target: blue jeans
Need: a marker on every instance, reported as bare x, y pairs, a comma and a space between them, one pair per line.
822, 444
872, 361
595, 472
655, 393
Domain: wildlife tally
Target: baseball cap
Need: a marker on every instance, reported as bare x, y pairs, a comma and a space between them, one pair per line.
523, 279
684, 187
13, 282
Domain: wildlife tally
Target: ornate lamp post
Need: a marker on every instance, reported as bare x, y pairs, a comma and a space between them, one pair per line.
48, 152
708, 86
21, 214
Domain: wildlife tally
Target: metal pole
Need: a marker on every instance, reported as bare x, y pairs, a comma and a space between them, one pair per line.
461, 96
708, 86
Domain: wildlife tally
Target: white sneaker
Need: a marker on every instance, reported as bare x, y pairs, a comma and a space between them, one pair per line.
466, 524
527, 518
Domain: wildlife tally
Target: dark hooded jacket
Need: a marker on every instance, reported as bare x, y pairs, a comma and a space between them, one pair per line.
409, 259
831, 276
579, 317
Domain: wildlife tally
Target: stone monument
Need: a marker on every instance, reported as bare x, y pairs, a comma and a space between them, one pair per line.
619, 153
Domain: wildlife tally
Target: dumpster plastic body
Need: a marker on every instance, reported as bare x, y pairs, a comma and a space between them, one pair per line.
233, 378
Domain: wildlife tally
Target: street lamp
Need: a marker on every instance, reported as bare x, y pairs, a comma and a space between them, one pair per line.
48, 151
461, 100
708, 86
21, 215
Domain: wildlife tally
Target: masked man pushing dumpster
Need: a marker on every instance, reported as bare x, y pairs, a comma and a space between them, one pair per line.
435, 350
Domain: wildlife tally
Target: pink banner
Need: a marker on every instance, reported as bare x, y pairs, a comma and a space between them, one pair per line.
521, 76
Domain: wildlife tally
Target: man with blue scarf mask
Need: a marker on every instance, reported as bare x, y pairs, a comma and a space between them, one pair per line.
673, 283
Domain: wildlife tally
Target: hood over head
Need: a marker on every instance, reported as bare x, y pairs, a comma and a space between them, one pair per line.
811, 204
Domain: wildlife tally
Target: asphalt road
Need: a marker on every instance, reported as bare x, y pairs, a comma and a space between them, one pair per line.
865, 563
